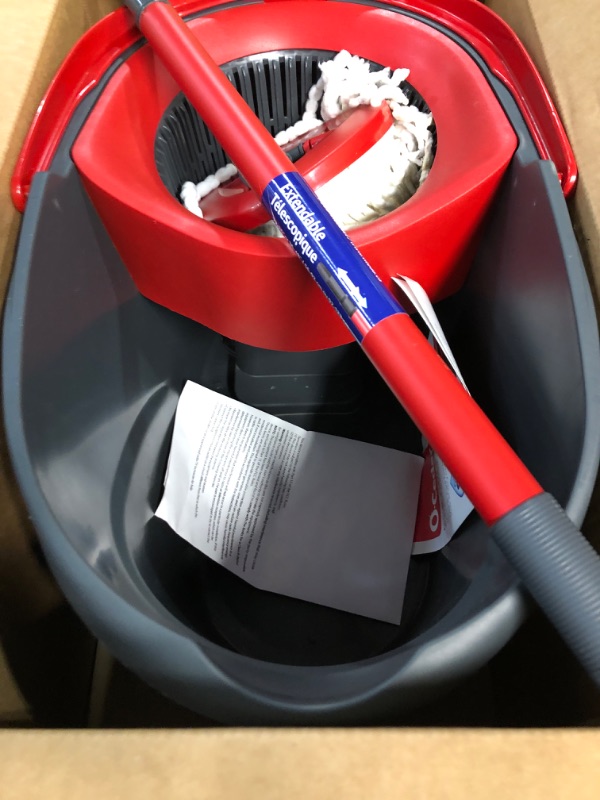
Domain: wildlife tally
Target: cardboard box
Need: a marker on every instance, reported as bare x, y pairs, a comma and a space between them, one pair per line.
537, 738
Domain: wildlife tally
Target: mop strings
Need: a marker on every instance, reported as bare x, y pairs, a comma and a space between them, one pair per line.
387, 175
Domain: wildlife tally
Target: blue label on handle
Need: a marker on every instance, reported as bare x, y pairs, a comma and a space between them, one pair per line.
353, 288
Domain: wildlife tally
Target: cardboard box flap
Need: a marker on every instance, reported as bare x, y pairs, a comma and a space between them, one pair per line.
271, 764
562, 39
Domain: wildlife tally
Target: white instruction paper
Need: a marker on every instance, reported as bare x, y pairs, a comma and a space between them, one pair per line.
304, 514
443, 505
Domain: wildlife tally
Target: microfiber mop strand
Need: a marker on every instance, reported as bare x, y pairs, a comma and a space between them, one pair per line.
381, 179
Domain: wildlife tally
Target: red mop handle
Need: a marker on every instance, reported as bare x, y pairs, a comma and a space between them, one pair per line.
493, 477
555, 562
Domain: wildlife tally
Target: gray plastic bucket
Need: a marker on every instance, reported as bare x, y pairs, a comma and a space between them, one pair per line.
92, 372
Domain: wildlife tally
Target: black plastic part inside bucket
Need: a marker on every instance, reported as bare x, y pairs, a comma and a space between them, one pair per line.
92, 374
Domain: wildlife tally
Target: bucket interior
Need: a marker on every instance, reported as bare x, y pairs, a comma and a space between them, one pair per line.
99, 392
99, 396
332, 391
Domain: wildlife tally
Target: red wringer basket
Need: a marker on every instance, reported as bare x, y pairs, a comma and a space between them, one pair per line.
247, 287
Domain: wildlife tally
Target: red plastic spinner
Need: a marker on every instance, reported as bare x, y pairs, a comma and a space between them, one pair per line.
328, 150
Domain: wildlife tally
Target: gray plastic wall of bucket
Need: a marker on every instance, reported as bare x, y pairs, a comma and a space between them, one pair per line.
92, 372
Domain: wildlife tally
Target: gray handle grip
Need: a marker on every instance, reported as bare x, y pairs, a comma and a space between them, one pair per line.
561, 571
137, 6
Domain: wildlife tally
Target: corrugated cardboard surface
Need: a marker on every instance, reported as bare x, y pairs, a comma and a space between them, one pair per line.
435, 763
299, 764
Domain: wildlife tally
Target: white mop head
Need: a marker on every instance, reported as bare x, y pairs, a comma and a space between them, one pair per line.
377, 182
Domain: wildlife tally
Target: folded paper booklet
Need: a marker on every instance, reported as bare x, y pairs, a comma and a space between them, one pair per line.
308, 515
443, 505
